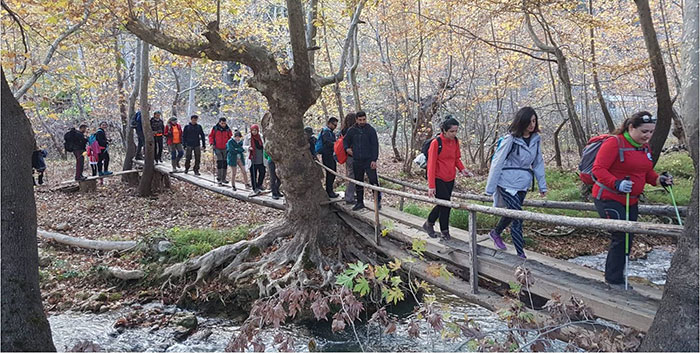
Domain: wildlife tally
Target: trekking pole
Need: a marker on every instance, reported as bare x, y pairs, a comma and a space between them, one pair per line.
673, 199
627, 236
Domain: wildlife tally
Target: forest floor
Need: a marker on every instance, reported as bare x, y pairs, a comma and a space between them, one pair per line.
195, 221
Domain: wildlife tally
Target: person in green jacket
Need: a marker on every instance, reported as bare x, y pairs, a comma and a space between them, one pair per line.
234, 157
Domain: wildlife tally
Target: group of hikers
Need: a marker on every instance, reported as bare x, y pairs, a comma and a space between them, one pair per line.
619, 165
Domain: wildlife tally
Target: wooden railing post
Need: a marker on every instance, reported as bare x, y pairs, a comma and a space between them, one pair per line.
474, 270
377, 227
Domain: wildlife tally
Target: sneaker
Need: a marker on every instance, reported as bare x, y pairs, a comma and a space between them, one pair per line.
497, 240
225, 181
233, 186
332, 195
196, 172
428, 227
522, 256
275, 197
101, 173
445, 235
186, 170
358, 206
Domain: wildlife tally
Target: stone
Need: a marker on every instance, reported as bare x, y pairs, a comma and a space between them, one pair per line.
181, 333
44, 259
201, 335
163, 246
103, 309
186, 320
63, 226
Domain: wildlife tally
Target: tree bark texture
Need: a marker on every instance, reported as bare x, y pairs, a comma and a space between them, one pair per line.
24, 325
145, 184
664, 110
130, 145
675, 327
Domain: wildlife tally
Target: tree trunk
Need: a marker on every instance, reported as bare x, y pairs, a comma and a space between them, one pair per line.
557, 149
121, 99
664, 110
675, 327
353, 72
132, 179
145, 185
24, 325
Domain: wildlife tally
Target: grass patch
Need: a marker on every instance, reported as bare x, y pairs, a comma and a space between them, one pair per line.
458, 218
679, 164
188, 243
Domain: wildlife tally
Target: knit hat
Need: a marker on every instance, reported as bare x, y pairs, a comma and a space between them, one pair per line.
237, 134
308, 130
172, 119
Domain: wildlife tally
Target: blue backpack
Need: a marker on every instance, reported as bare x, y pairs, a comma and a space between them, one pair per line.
318, 147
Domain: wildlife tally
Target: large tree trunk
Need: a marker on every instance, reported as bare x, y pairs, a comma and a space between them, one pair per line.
675, 327
596, 83
664, 110
145, 185
24, 325
121, 99
131, 178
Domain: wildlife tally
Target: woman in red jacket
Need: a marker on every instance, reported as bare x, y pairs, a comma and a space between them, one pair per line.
623, 165
442, 162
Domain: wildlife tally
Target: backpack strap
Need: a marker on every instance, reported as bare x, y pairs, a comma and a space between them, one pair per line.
439, 140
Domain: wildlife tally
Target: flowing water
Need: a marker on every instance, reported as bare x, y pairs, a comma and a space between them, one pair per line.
653, 267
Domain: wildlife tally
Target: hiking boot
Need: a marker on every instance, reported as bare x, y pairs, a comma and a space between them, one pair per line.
428, 227
41, 179
186, 170
497, 241
233, 186
445, 235
332, 195
196, 172
225, 181
275, 197
358, 206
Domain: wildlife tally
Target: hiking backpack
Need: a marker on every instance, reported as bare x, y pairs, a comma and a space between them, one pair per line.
422, 159
318, 146
339, 150
585, 167
67, 141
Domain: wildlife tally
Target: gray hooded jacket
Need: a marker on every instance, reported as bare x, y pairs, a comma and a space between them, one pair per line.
515, 163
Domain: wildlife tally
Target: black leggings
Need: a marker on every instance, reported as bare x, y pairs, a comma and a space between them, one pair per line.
158, 142
103, 162
259, 170
615, 263
443, 191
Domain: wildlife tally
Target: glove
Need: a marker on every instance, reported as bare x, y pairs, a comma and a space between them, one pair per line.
624, 186
666, 179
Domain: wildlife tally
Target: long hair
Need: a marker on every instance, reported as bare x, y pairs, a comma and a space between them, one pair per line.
348, 122
522, 120
635, 120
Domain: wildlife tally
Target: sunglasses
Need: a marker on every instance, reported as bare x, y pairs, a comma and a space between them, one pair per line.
648, 119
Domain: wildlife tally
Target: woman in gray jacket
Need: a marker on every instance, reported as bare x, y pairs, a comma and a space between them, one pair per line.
516, 162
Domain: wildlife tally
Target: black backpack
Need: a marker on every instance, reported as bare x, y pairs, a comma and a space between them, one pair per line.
426, 146
68, 141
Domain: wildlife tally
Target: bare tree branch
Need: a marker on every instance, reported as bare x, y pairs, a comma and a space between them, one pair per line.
297, 37
338, 76
52, 49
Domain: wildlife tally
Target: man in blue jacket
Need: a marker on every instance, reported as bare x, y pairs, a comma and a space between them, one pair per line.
362, 144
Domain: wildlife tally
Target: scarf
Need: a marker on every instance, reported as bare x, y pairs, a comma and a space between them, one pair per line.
256, 140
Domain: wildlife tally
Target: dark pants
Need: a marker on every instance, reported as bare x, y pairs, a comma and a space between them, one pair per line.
275, 181
259, 171
360, 168
513, 202
329, 162
443, 191
103, 162
79, 163
158, 142
141, 139
197, 157
615, 264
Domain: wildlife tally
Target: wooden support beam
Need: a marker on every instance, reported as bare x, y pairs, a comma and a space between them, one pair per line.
96, 177
474, 269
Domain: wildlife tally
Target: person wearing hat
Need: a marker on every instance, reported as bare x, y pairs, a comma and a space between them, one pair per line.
234, 157
218, 137
173, 133
158, 128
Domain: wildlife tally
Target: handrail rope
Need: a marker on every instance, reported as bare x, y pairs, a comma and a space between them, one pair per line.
581, 222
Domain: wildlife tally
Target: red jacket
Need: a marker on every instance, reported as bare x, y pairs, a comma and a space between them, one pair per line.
173, 133
442, 166
219, 136
607, 169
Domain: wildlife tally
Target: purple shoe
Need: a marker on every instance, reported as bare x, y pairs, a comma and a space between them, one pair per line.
522, 256
497, 240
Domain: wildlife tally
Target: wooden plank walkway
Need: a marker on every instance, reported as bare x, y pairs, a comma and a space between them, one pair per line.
96, 177
635, 308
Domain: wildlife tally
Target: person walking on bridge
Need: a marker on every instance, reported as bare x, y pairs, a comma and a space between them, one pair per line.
192, 134
218, 137
234, 157
348, 122
362, 144
444, 158
516, 163
253, 143
622, 167
327, 137
173, 132
158, 129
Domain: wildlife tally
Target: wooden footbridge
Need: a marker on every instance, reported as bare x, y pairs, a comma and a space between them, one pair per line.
474, 256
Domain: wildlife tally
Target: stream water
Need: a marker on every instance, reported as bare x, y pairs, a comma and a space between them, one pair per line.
653, 267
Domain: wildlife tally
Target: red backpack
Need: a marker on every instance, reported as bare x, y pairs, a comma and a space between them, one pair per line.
339, 150
585, 167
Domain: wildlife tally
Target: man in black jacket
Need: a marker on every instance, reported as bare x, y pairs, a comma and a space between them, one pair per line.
191, 135
75, 142
328, 141
362, 144
103, 157
158, 127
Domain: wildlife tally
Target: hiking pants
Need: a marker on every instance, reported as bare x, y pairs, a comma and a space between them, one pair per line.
360, 168
103, 162
176, 153
513, 202
443, 191
350, 188
158, 143
329, 161
257, 176
197, 157
220, 164
275, 181
79, 163
141, 141
615, 263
